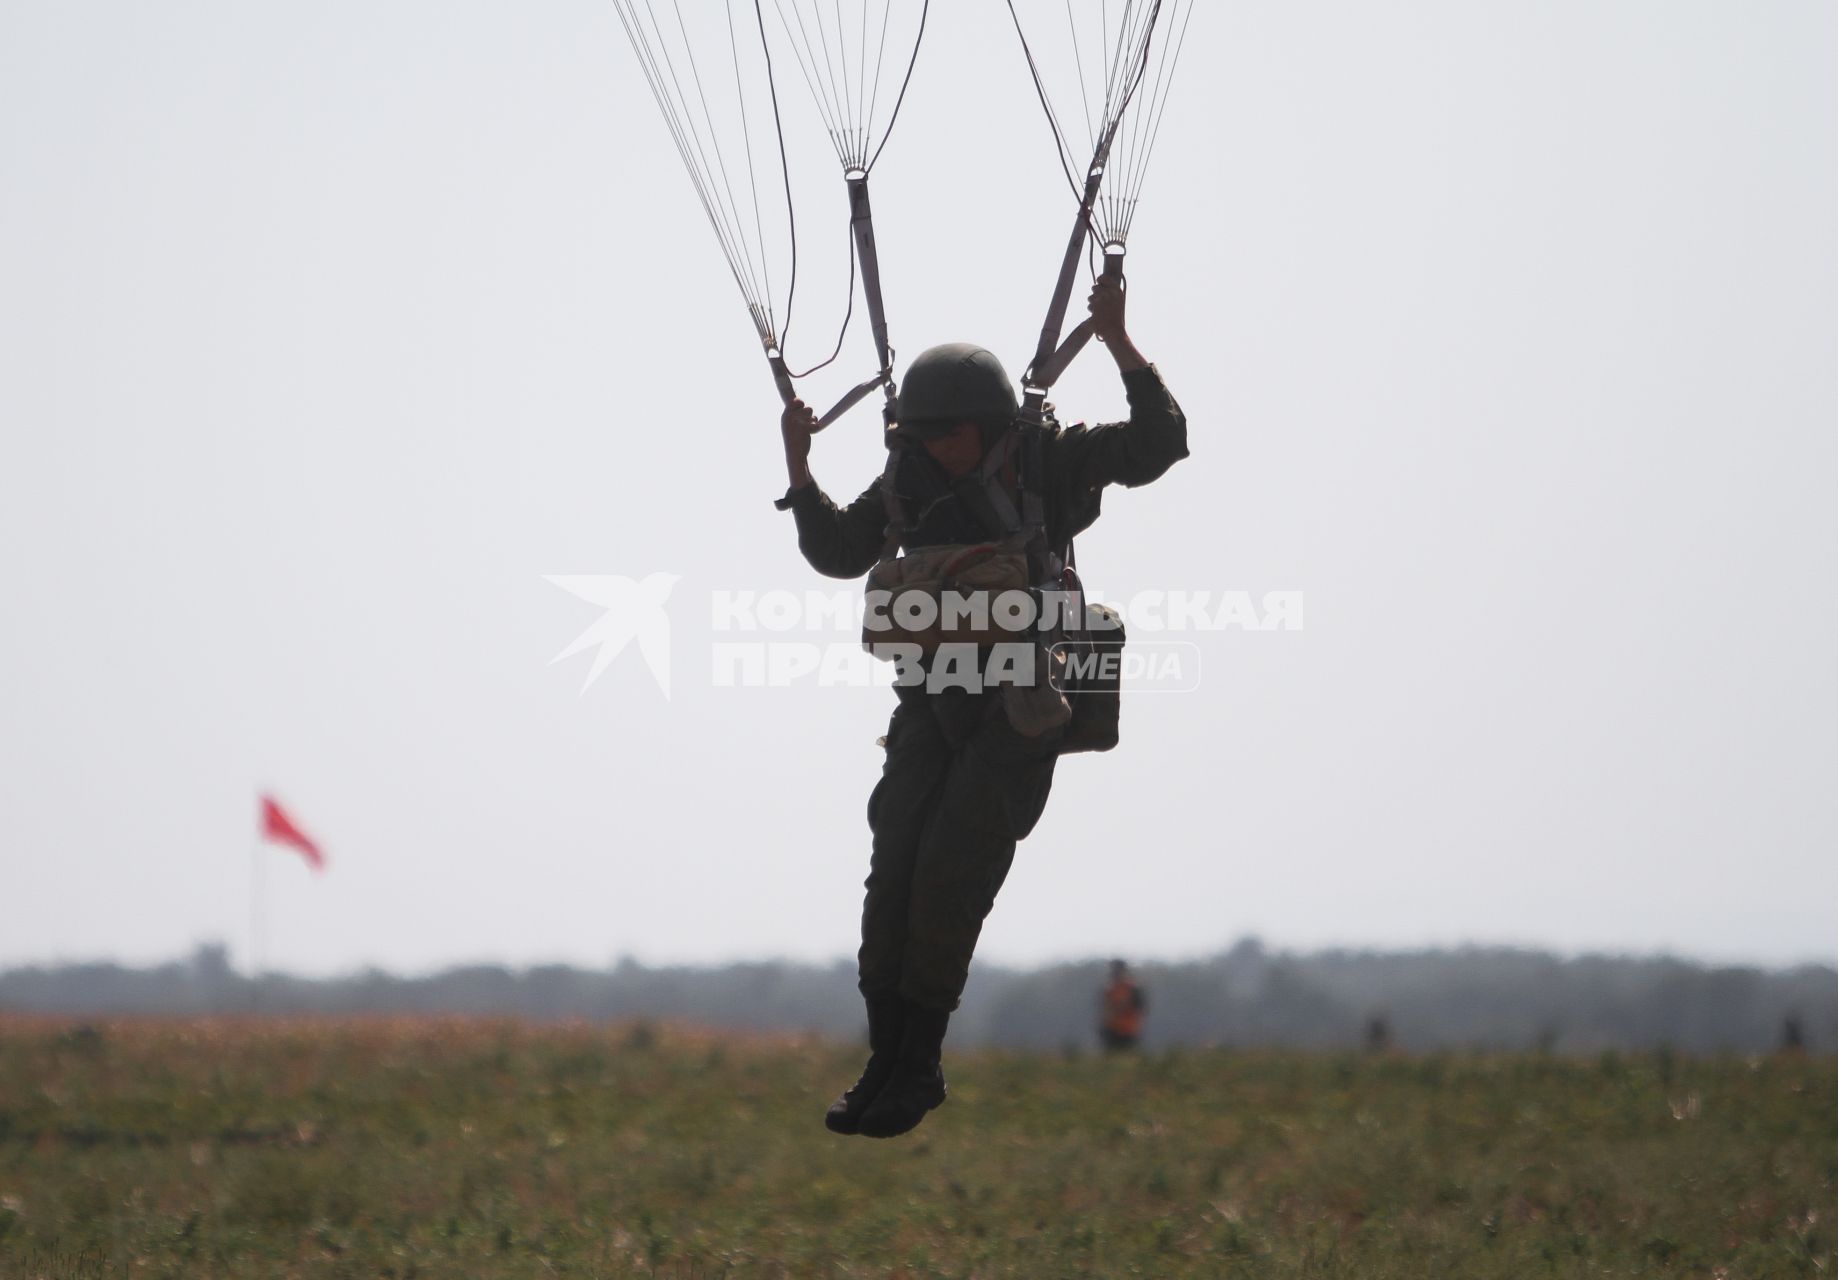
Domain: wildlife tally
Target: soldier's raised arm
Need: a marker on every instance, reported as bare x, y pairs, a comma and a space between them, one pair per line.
839, 542
1155, 437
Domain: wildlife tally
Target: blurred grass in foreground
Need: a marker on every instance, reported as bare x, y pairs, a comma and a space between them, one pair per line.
452, 1148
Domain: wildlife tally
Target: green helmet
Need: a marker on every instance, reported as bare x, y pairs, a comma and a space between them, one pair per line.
954, 383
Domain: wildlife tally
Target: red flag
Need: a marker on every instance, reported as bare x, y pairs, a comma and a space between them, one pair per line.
276, 825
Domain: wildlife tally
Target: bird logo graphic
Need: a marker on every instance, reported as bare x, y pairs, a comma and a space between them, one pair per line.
634, 608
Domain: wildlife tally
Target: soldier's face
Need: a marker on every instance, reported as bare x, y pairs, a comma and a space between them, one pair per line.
959, 451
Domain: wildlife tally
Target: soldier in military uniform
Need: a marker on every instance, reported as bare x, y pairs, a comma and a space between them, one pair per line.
960, 784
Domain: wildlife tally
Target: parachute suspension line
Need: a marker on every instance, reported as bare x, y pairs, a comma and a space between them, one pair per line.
752, 180
791, 213
880, 56
861, 79
1121, 61
1158, 101
828, 109
800, 49
1128, 64
848, 104
841, 99
1109, 199
694, 119
1131, 55
695, 73
1091, 135
1123, 126
1122, 139
767, 326
1136, 145
911, 62
1046, 105
846, 315
666, 90
848, 101
841, 59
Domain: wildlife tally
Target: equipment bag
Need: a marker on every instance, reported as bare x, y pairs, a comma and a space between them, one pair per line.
948, 595
1092, 675
1041, 705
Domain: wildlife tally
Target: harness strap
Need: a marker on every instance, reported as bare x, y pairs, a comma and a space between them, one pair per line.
1018, 458
1045, 352
1045, 561
898, 526
985, 491
861, 223
1047, 373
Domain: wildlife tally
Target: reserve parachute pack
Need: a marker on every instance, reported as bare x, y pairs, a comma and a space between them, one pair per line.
977, 595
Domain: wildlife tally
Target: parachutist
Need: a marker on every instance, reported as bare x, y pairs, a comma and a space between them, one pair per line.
967, 770
979, 489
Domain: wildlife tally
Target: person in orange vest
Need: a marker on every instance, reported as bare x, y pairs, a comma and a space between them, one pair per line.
1121, 1008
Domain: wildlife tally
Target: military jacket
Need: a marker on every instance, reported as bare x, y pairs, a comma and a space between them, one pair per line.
1078, 461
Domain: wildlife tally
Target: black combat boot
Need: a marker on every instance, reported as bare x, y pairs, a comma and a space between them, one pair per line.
917, 1083
886, 1023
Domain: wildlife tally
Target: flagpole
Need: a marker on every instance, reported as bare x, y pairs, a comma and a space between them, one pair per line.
255, 925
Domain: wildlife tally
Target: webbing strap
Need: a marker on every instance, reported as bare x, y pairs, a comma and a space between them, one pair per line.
984, 493
1045, 352
897, 524
861, 222
1048, 373
850, 400
1001, 516
1033, 500
781, 376
861, 225
1062, 288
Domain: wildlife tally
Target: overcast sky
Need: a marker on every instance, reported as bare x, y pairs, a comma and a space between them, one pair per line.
1505, 332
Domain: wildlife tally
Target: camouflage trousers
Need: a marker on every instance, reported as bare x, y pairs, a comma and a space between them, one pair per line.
958, 789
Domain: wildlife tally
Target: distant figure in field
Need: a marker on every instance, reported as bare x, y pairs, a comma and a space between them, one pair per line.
1378, 1034
1120, 1009
1793, 1034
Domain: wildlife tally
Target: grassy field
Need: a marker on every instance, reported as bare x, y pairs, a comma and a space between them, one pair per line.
426, 1148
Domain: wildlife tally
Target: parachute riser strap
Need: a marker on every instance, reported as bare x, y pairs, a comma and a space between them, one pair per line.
861, 223
781, 376
1069, 265
1045, 375
861, 226
1062, 289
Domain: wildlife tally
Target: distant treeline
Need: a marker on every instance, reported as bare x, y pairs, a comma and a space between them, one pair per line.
1484, 998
